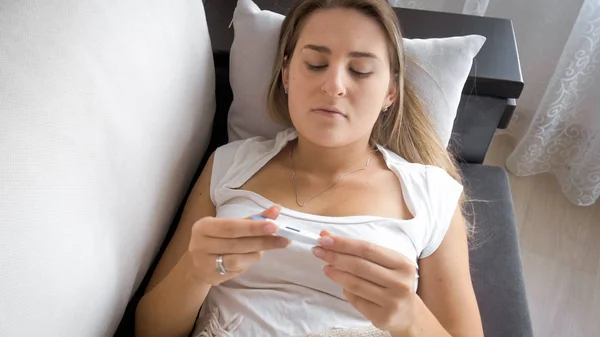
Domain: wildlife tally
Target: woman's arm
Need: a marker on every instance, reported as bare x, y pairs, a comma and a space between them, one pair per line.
379, 283
445, 285
173, 296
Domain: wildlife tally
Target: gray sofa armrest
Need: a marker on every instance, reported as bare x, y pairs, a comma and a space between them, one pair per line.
496, 266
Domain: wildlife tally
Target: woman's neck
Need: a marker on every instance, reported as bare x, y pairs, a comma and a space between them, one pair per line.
329, 162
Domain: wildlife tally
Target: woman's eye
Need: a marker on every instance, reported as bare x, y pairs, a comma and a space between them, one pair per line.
316, 67
359, 74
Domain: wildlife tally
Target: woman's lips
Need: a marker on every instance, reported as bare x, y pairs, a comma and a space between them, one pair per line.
329, 113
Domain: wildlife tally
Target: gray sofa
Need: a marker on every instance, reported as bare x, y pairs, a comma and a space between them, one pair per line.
107, 109
495, 256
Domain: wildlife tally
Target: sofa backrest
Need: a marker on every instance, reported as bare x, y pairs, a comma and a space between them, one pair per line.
106, 109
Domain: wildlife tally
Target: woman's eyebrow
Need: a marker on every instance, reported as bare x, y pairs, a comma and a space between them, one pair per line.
363, 54
320, 49
354, 54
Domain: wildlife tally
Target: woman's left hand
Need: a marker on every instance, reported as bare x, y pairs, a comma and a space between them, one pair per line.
377, 281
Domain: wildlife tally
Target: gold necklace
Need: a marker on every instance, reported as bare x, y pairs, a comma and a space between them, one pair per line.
328, 188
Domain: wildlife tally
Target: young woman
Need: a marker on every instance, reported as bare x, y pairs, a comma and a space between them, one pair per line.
362, 166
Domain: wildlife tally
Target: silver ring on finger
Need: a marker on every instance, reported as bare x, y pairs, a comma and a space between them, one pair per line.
220, 267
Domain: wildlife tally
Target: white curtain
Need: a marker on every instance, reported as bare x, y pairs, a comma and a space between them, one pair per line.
559, 133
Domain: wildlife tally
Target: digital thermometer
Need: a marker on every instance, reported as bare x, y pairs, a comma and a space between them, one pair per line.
294, 234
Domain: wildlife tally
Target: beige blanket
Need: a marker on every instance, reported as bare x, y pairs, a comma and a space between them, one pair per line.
209, 326
370, 331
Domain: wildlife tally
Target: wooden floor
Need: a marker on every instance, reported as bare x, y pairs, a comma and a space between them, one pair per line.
560, 243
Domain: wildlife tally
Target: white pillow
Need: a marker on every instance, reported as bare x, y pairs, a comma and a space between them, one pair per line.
106, 109
438, 68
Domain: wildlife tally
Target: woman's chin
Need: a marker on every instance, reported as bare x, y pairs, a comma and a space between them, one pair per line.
327, 135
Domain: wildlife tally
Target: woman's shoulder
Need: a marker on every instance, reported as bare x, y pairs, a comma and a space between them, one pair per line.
398, 163
237, 155
434, 190
237, 160
253, 147
394, 160
428, 183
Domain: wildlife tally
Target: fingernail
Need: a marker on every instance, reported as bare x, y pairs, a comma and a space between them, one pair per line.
326, 268
270, 228
326, 241
318, 251
282, 242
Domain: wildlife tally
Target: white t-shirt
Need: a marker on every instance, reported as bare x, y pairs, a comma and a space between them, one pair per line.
286, 292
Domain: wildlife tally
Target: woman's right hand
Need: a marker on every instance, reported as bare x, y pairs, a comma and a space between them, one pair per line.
240, 241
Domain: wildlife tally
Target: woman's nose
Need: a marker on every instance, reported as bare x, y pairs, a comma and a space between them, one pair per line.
334, 82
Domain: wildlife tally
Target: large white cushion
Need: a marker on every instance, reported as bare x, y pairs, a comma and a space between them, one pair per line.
438, 68
105, 112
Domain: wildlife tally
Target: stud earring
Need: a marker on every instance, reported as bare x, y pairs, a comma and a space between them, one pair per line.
285, 90
385, 109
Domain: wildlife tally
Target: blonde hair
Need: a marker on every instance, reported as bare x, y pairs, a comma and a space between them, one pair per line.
405, 128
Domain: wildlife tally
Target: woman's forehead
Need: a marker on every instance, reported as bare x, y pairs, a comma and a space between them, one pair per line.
344, 31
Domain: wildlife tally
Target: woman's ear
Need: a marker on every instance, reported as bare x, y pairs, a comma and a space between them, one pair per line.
285, 73
392, 93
